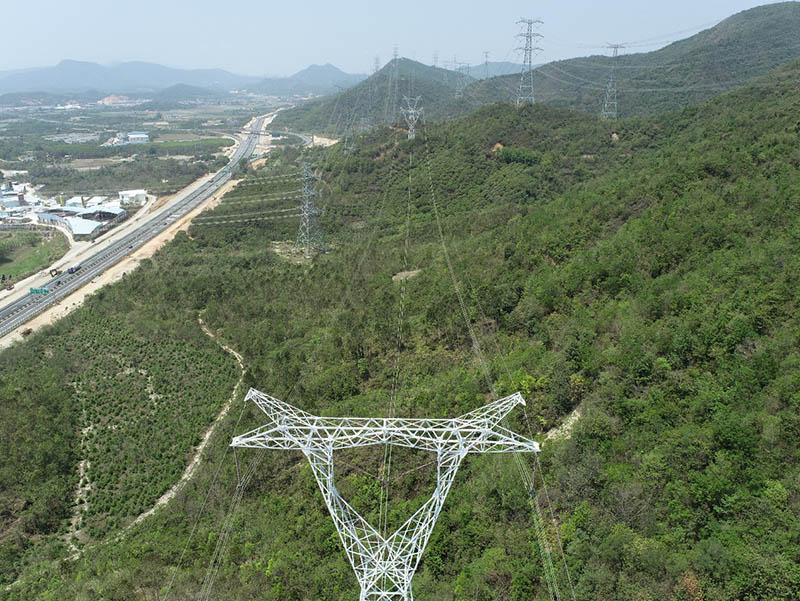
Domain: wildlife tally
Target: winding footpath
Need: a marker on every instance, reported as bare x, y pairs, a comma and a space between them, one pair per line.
188, 473
190, 470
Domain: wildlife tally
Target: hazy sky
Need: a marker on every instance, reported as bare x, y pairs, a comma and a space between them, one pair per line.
281, 37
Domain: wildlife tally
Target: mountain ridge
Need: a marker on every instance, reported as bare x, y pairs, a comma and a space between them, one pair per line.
133, 76
728, 55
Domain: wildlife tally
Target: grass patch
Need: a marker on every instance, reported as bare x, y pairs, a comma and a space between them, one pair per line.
24, 253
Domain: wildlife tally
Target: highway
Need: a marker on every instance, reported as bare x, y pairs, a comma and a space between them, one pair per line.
26, 308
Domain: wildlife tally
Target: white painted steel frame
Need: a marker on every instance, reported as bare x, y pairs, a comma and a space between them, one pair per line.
384, 566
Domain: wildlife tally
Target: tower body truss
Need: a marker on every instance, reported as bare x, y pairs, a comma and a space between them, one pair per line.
384, 563
309, 236
610, 104
526, 95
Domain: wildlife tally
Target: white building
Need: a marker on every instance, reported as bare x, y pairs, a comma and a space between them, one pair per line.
132, 197
138, 137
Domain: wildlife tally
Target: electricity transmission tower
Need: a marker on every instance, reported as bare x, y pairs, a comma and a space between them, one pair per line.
486, 63
411, 112
463, 77
393, 90
525, 95
309, 237
384, 565
610, 105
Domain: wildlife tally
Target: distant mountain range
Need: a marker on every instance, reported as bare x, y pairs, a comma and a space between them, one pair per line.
76, 78
690, 71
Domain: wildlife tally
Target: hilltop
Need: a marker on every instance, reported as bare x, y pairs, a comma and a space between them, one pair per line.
687, 72
315, 79
649, 281
377, 99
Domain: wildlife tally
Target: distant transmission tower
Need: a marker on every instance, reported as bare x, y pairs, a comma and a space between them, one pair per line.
309, 237
525, 95
393, 87
412, 112
463, 79
384, 564
486, 63
610, 105
436, 59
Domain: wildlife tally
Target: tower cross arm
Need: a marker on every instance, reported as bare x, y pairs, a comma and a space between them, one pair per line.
475, 432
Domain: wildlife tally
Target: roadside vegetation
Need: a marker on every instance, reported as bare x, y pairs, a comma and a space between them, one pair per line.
54, 152
159, 176
650, 278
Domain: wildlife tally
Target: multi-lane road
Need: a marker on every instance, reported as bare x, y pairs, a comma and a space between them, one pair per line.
19, 312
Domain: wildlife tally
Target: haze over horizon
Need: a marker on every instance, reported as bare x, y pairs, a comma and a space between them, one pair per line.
254, 39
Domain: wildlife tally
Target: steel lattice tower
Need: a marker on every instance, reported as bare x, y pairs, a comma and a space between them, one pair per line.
610, 105
309, 237
412, 113
526, 77
393, 90
384, 565
463, 77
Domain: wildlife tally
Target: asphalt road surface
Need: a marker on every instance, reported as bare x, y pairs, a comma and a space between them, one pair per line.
26, 308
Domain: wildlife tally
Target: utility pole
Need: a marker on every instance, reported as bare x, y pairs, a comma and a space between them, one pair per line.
309, 237
411, 112
486, 62
610, 105
525, 95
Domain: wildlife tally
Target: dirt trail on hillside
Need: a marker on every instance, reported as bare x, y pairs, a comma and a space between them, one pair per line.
190, 470
564, 430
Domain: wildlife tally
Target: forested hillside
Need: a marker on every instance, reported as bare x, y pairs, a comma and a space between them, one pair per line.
648, 281
687, 72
